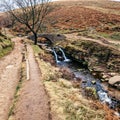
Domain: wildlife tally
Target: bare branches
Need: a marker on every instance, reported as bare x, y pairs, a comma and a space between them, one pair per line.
28, 12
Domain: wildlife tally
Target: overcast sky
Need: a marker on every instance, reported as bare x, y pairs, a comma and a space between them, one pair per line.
116, 0
51, 0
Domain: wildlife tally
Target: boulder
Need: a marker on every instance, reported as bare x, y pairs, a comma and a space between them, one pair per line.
115, 81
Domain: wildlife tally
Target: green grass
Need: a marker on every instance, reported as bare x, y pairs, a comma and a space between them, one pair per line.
16, 94
115, 36
36, 49
106, 35
6, 46
5, 51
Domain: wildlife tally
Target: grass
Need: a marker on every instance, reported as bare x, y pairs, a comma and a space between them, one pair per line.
5, 51
6, 46
67, 31
115, 36
106, 35
100, 35
67, 102
117, 46
16, 94
104, 10
36, 49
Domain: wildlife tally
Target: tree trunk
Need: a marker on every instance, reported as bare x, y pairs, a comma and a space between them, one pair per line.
35, 38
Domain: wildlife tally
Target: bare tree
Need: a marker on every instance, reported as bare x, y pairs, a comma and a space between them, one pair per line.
28, 12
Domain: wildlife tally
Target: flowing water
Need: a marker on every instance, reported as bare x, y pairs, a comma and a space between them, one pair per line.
64, 56
87, 79
56, 56
59, 57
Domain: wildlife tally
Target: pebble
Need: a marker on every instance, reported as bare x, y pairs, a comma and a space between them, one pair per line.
9, 66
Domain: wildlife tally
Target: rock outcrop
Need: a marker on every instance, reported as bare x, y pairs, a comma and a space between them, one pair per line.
115, 81
99, 57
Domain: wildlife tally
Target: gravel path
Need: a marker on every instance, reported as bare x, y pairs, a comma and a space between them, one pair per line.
9, 77
33, 101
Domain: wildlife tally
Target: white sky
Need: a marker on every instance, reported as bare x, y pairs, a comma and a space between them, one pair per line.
116, 0
51, 0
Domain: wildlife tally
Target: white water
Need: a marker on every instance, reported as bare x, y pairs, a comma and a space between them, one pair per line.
104, 97
56, 57
64, 56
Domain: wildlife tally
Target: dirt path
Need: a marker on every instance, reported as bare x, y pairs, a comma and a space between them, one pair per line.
9, 77
33, 101
75, 36
102, 42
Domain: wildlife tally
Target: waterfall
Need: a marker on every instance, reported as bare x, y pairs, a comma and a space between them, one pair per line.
56, 56
64, 56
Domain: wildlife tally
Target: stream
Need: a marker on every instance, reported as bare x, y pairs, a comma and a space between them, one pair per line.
88, 80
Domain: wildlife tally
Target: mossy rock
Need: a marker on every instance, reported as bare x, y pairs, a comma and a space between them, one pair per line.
91, 92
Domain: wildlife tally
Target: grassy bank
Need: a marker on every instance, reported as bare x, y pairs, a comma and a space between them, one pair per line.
6, 45
66, 100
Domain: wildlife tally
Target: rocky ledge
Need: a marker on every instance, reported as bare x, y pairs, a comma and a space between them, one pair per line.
103, 61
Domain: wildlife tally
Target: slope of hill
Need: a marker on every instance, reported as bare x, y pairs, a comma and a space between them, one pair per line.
99, 15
